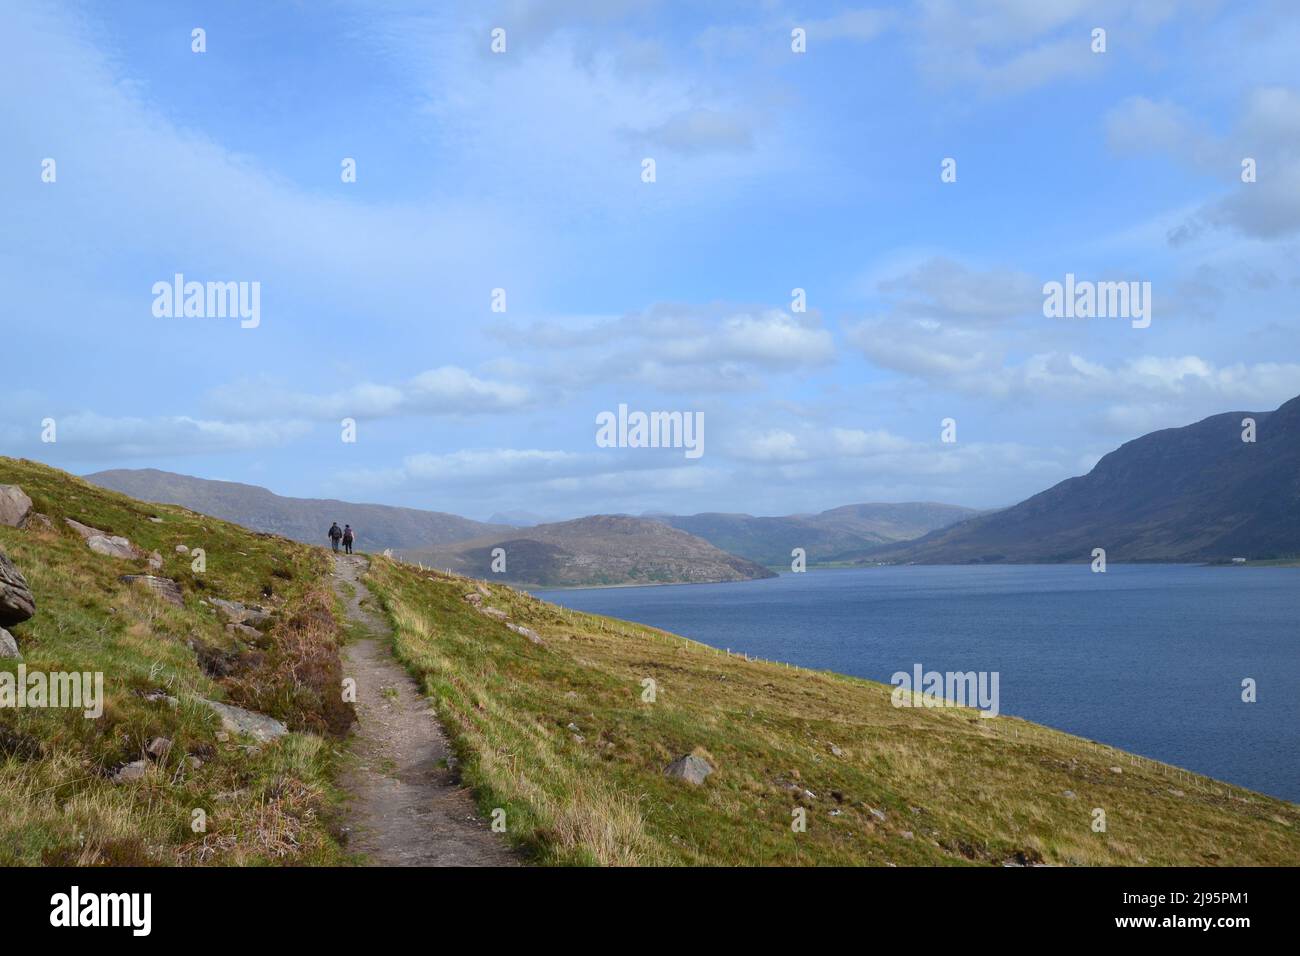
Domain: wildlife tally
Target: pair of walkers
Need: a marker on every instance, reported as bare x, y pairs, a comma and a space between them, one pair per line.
344, 534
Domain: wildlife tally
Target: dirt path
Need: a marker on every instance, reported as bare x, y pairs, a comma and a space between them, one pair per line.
405, 809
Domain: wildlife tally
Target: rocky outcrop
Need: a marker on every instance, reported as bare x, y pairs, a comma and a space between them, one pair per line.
16, 601
101, 542
15, 506
165, 588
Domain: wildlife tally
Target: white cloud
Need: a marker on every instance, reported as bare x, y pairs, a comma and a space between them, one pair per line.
448, 390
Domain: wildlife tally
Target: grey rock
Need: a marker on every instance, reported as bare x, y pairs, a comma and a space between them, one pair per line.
165, 588
495, 612
1069, 795
182, 549
236, 613
159, 747
135, 770
836, 751
690, 768
236, 720
8, 647
243, 631
526, 632
155, 561
101, 542
15, 506
16, 601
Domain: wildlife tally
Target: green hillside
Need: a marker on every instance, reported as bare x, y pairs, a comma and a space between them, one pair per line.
60, 803
557, 734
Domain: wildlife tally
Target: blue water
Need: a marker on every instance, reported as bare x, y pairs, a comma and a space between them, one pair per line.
1149, 658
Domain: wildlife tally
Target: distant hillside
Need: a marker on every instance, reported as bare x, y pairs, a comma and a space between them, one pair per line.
1195, 493
599, 550
303, 519
835, 535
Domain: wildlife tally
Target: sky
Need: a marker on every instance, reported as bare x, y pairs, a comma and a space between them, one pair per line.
524, 171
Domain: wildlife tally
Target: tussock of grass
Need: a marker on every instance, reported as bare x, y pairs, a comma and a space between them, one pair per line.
58, 802
953, 788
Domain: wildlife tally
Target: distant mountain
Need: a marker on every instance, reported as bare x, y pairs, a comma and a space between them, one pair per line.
515, 519
836, 535
1197, 493
303, 519
599, 550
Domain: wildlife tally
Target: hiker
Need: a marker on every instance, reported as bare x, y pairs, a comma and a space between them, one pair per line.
348, 538
335, 534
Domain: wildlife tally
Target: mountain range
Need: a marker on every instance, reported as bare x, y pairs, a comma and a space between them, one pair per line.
1196, 493
1191, 494
595, 550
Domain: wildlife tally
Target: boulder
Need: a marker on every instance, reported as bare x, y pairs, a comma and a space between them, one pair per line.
15, 507
8, 647
165, 588
690, 768
159, 747
236, 720
16, 601
101, 542
495, 612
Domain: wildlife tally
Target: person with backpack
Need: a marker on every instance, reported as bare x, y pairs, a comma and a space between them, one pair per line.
348, 538
335, 534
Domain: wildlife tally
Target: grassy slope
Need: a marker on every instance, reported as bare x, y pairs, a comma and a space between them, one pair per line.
57, 803
967, 789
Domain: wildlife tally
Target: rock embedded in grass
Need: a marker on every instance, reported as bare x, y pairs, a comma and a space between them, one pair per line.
8, 647
165, 588
16, 601
237, 613
135, 770
15, 506
101, 542
525, 632
260, 727
690, 768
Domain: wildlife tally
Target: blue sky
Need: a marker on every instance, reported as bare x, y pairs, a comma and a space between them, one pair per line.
522, 171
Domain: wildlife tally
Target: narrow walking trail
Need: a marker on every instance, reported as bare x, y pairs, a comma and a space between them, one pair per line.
405, 807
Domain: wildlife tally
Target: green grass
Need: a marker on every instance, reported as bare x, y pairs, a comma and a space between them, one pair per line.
954, 788
58, 803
